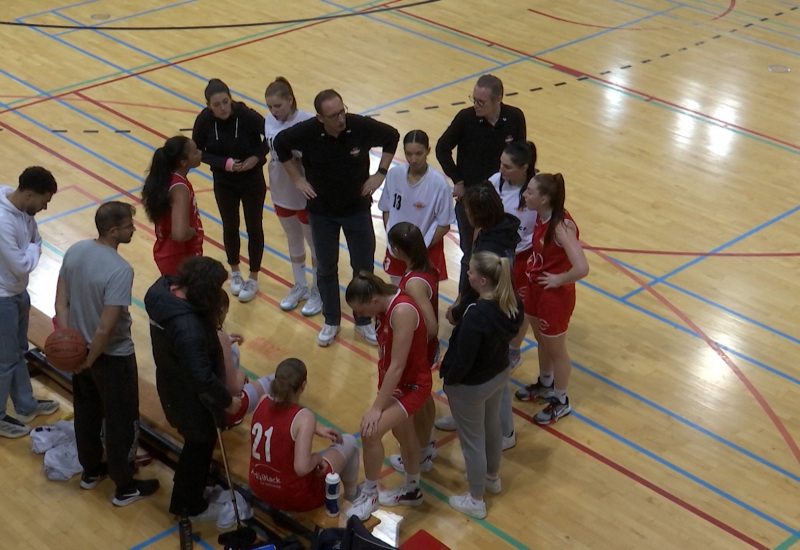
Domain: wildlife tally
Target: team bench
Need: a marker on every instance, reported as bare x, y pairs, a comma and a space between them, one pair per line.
164, 441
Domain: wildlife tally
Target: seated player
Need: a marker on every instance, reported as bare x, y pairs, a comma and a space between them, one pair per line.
284, 470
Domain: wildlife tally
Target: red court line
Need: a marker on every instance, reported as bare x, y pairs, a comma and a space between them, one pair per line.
765, 406
631, 475
587, 24
149, 229
698, 254
110, 102
726, 12
181, 61
578, 73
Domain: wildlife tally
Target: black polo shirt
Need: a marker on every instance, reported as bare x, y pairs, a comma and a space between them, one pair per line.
336, 167
479, 143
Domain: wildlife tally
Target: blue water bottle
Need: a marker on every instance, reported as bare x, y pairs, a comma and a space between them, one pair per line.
332, 494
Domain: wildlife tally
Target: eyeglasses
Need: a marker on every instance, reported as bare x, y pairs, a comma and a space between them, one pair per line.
336, 115
478, 102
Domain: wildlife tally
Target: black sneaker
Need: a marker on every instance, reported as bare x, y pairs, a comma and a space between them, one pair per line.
139, 489
90, 481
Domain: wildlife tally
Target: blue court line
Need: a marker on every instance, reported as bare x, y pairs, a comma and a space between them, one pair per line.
520, 58
51, 10
664, 462
100, 157
713, 304
131, 16
136, 176
720, 248
196, 536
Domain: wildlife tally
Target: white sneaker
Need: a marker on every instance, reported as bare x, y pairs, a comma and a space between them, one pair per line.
510, 441
327, 334
43, 407
12, 428
492, 485
446, 424
364, 506
210, 514
368, 333
314, 303
468, 505
249, 290
425, 465
399, 497
295, 296
236, 283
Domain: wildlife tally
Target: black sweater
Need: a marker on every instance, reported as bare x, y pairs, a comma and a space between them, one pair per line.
501, 239
239, 136
190, 371
336, 167
479, 143
478, 349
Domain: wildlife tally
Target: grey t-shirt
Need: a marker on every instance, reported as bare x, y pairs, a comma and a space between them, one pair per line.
97, 276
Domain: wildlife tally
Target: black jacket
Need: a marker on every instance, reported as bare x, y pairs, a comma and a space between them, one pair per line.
478, 349
190, 372
501, 239
240, 136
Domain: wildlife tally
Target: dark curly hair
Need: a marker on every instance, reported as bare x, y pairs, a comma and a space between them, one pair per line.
202, 277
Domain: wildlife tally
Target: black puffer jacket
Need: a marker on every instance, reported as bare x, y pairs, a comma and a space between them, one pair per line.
190, 372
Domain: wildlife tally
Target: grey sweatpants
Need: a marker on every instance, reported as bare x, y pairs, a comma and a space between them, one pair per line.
476, 411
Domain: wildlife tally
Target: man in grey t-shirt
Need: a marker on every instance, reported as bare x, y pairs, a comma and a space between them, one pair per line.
93, 295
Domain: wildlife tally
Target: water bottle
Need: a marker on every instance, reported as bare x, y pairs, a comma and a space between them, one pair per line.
332, 494
185, 532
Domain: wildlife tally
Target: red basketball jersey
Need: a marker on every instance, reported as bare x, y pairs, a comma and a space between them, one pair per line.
272, 475
168, 253
431, 279
550, 258
417, 372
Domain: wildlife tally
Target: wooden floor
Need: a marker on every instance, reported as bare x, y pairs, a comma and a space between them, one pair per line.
672, 124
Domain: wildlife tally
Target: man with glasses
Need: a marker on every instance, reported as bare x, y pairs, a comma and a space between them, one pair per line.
92, 297
335, 148
480, 133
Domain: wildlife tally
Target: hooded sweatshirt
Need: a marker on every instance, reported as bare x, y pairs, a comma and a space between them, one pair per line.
190, 372
238, 137
501, 239
478, 349
20, 246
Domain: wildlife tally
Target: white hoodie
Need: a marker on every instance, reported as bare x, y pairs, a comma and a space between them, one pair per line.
20, 246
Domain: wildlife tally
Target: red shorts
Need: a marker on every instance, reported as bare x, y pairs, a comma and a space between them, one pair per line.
519, 276
412, 397
236, 418
397, 268
553, 308
282, 212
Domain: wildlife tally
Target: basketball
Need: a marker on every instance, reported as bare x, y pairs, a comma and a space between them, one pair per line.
65, 349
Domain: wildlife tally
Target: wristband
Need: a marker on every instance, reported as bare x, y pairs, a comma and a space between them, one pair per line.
382, 170
229, 165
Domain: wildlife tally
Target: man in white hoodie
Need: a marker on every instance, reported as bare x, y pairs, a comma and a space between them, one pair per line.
20, 248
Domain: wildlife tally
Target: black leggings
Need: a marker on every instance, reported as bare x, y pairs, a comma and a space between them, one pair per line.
251, 195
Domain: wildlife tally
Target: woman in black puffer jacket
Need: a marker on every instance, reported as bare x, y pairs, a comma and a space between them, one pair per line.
190, 374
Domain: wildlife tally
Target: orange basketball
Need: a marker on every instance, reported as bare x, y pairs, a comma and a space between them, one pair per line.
65, 349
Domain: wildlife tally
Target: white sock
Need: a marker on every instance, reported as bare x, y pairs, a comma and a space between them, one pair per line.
370, 486
546, 377
561, 394
299, 273
411, 483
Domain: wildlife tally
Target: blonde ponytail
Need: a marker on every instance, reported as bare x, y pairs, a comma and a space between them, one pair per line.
497, 270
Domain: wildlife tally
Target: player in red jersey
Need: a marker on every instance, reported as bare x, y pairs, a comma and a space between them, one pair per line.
404, 384
284, 471
556, 263
169, 201
420, 281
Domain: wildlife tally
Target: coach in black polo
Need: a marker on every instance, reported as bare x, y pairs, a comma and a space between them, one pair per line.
335, 149
479, 133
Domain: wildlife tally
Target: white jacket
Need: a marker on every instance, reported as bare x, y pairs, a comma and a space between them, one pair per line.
20, 246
